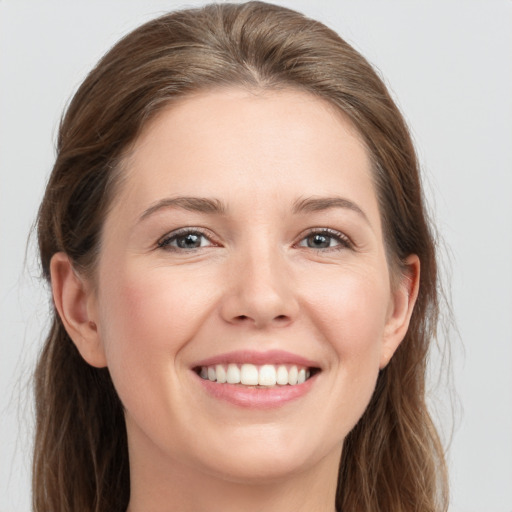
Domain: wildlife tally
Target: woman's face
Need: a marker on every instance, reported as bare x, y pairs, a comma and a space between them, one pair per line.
245, 242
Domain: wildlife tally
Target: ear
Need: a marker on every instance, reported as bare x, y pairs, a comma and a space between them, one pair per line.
403, 298
75, 303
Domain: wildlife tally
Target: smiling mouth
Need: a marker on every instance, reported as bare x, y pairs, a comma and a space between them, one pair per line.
263, 376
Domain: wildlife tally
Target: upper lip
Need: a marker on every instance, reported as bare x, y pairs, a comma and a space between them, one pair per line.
258, 358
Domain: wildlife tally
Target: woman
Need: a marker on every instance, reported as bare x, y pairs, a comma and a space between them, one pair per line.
244, 279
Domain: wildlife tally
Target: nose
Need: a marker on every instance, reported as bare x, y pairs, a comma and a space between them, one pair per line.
260, 291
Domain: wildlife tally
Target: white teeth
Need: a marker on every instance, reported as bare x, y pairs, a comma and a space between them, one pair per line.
267, 375
293, 375
221, 374
251, 375
282, 376
233, 374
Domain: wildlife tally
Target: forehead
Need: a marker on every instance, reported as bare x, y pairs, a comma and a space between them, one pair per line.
230, 142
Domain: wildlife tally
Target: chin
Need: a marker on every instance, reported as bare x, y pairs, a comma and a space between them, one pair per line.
263, 459
259, 469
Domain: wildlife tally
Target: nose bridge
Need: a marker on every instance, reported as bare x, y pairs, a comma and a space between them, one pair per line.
261, 290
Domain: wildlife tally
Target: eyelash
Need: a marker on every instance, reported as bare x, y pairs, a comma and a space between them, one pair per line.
344, 241
165, 242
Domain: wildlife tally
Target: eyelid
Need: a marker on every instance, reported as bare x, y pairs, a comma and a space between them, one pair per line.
163, 242
345, 240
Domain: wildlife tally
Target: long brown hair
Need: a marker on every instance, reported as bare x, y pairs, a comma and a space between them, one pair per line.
392, 460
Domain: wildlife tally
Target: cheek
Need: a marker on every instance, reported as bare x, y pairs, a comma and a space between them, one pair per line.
350, 315
350, 310
147, 317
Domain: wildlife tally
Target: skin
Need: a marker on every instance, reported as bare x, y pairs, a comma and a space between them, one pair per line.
152, 311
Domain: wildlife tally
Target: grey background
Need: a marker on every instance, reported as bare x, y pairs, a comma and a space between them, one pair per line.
449, 65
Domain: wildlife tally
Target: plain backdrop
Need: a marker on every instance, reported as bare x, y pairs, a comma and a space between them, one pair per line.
448, 63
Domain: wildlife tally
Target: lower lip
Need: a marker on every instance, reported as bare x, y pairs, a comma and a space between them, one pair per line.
256, 397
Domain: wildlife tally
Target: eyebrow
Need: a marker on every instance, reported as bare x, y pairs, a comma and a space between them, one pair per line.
193, 204
315, 204
215, 206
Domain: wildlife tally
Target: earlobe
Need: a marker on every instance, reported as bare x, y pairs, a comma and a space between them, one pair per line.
403, 299
74, 301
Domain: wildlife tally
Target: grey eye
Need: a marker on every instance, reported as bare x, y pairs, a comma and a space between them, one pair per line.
186, 240
189, 241
323, 240
319, 241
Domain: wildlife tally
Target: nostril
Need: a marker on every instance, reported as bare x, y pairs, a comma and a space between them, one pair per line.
260, 320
